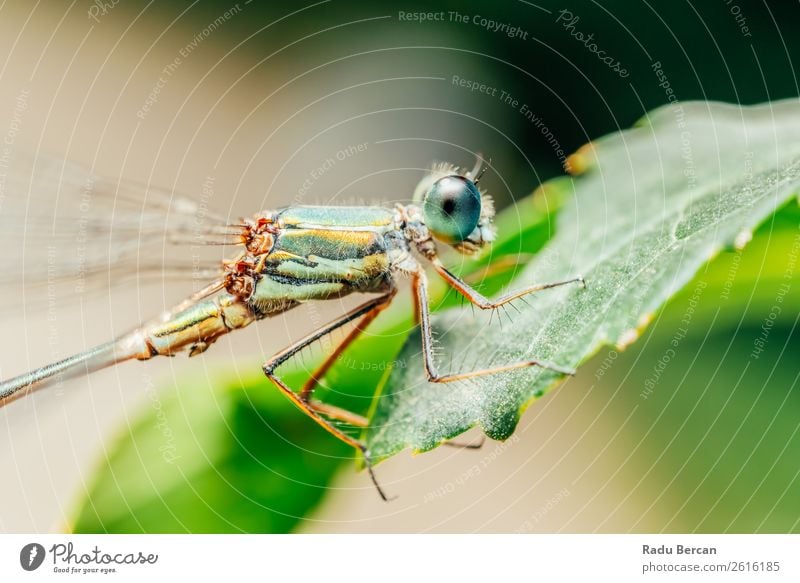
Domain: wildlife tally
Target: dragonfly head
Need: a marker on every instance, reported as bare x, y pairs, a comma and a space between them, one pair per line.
454, 209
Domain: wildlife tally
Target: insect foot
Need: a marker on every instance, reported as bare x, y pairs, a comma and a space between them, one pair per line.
368, 464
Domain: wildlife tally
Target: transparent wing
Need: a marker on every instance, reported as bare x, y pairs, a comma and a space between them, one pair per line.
62, 225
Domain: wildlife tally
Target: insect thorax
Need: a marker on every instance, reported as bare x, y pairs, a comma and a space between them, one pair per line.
318, 253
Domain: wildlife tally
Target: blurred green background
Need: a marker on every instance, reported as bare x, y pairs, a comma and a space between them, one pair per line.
265, 98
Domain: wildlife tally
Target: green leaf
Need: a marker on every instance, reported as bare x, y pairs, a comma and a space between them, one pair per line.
211, 457
707, 403
745, 280
652, 206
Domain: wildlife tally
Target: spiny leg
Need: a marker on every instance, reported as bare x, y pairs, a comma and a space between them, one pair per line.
423, 317
503, 264
484, 303
366, 312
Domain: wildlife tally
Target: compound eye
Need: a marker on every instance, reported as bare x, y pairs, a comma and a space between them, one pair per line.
452, 208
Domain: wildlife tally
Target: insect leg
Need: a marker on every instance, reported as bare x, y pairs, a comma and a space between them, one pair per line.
423, 316
366, 312
502, 265
486, 304
366, 319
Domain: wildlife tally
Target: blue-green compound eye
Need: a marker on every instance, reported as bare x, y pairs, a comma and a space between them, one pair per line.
452, 208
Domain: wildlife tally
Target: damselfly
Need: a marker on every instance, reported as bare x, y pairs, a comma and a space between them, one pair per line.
294, 255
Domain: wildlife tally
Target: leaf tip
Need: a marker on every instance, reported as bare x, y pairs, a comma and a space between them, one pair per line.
644, 321
632, 334
627, 338
643, 122
582, 160
742, 239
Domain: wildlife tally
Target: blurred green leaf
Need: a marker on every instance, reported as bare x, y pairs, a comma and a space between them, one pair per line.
653, 205
730, 437
708, 402
211, 457
713, 412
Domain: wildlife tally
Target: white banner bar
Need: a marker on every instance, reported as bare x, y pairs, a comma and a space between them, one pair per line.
389, 558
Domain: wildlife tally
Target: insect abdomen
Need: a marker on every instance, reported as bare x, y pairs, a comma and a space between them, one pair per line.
198, 326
